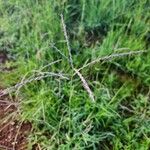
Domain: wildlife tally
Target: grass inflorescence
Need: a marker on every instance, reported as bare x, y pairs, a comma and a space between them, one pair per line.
81, 71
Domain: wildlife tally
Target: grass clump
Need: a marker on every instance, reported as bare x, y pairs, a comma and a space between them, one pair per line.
52, 96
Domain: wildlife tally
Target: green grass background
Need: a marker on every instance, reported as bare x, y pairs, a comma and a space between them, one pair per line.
61, 111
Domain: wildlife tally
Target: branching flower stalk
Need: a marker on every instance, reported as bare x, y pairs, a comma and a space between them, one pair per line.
21, 84
85, 85
67, 40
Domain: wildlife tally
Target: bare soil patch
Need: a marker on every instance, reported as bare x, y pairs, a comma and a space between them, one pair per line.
13, 133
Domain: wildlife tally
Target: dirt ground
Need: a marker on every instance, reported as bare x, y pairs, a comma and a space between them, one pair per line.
13, 133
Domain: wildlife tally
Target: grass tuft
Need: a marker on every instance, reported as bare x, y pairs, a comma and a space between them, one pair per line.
104, 45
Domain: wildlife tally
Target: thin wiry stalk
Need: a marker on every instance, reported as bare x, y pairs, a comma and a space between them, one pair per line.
67, 40
59, 51
19, 85
22, 80
126, 108
85, 85
111, 57
54, 62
